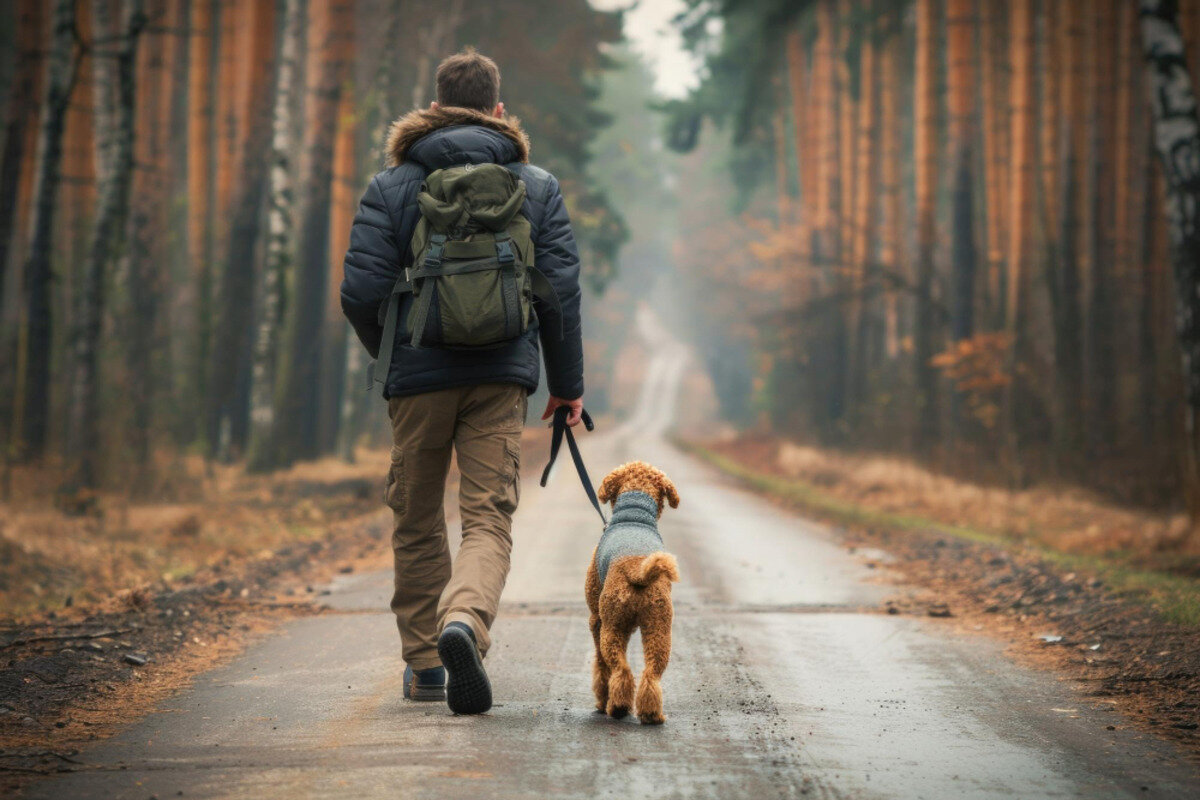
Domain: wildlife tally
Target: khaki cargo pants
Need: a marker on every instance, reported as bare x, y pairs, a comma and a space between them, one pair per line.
483, 425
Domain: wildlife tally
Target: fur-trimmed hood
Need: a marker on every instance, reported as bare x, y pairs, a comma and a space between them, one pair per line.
416, 125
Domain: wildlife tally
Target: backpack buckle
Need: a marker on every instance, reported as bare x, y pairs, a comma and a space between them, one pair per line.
433, 258
504, 250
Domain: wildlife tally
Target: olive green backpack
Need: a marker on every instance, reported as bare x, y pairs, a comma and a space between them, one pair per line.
473, 279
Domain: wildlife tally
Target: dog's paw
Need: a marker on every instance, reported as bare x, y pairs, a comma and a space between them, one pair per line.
652, 718
618, 712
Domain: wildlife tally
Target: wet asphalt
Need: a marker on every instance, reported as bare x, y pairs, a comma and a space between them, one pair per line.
786, 680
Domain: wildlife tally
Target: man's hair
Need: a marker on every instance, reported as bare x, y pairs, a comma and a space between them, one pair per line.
468, 80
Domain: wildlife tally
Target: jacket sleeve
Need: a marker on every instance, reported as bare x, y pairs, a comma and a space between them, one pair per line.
371, 267
557, 257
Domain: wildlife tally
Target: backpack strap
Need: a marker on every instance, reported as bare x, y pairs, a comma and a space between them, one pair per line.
431, 262
402, 286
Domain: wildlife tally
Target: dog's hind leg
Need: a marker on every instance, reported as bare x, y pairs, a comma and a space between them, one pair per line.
613, 644
600, 672
655, 623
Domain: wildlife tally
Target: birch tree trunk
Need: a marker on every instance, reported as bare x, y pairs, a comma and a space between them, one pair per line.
1177, 140
297, 407
115, 113
31, 415
279, 232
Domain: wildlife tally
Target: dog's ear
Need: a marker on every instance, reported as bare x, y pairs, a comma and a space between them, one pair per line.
668, 489
610, 487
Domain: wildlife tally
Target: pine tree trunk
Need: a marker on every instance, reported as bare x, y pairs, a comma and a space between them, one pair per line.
233, 332
993, 94
1064, 283
865, 207
805, 158
31, 416
1177, 139
341, 216
272, 277
960, 64
891, 247
1021, 195
200, 165
23, 96
925, 164
1099, 345
116, 97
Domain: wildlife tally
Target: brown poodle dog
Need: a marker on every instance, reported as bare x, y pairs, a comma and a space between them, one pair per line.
629, 587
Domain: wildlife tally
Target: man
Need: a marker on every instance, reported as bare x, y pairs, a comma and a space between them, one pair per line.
471, 401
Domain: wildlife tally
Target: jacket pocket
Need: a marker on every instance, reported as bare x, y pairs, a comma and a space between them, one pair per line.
394, 494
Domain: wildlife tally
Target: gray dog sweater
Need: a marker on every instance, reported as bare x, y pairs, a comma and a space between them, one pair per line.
632, 530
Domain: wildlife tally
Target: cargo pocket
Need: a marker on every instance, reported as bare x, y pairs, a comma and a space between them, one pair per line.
394, 489
510, 490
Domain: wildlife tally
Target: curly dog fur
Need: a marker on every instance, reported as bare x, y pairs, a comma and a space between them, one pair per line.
636, 594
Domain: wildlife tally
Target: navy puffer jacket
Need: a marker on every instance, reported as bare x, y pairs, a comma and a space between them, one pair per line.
419, 143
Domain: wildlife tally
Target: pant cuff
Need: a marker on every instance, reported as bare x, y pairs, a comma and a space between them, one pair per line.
419, 664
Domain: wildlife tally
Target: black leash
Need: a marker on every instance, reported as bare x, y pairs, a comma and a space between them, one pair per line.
560, 427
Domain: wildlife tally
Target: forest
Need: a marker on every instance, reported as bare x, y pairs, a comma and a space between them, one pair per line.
940, 229
177, 184
951, 236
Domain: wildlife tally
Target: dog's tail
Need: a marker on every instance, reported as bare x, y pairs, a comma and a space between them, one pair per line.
653, 567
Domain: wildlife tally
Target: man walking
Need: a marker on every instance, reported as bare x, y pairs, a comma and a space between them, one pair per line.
471, 400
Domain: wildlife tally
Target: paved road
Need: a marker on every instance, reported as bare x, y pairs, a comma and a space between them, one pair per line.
785, 681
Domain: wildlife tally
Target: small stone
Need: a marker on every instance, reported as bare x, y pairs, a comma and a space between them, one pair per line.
940, 610
136, 659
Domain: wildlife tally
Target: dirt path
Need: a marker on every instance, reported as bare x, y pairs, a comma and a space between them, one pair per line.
787, 679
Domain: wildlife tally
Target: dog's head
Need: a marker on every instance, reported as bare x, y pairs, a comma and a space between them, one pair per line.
638, 476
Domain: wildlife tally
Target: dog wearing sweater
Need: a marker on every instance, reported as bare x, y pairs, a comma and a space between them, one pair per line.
629, 587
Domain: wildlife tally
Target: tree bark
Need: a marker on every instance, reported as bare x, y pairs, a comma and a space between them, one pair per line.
22, 99
116, 98
200, 165
233, 333
925, 164
960, 64
280, 210
297, 405
1177, 140
31, 416
1021, 195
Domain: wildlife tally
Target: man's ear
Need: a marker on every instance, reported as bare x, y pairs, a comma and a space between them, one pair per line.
498, 111
668, 489
610, 486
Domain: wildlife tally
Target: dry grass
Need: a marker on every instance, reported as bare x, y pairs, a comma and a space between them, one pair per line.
1136, 552
51, 555
1063, 518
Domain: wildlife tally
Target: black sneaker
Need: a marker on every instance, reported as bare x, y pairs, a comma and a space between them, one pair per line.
467, 688
425, 684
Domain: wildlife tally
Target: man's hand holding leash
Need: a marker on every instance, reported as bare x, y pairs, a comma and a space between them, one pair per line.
573, 416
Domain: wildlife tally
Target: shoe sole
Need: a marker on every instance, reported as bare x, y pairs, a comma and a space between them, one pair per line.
468, 690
